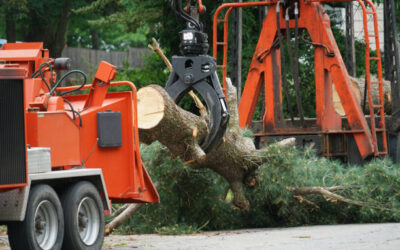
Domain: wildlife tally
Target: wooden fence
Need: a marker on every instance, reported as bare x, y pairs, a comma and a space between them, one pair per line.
87, 60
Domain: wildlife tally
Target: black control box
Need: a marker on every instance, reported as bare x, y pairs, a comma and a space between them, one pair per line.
109, 129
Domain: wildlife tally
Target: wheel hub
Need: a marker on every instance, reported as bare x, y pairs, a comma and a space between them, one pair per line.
46, 224
88, 220
40, 224
83, 221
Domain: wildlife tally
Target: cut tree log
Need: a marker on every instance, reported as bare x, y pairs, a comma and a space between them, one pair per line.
119, 210
358, 86
236, 159
123, 216
182, 133
387, 97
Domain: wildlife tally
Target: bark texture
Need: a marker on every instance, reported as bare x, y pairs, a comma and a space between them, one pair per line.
52, 30
123, 216
387, 97
95, 39
182, 133
358, 86
329, 195
11, 33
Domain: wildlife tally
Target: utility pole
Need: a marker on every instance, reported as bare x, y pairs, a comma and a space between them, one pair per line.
392, 65
262, 12
236, 62
350, 42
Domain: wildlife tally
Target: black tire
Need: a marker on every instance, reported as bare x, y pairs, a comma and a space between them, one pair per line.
81, 202
44, 214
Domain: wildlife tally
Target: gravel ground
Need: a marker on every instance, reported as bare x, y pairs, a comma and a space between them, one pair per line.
351, 237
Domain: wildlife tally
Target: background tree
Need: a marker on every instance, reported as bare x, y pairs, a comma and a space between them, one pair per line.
13, 11
89, 29
34, 21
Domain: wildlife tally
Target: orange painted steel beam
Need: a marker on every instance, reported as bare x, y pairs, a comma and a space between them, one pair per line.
230, 7
368, 59
265, 70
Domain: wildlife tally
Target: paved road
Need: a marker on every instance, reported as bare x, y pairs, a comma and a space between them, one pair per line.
351, 237
346, 237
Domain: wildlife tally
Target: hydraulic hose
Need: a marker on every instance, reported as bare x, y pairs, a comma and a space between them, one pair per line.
295, 69
283, 63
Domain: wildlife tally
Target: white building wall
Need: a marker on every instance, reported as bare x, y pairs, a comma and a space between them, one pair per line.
359, 26
338, 16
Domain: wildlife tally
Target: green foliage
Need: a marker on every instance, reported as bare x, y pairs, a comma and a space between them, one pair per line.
95, 6
108, 18
154, 72
374, 183
199, 199
182, 205
14, 5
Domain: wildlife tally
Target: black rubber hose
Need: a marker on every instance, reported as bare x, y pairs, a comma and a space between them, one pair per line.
67, 75
179, 11
40, 72
295, 73
283, 62
296, 62
74, 112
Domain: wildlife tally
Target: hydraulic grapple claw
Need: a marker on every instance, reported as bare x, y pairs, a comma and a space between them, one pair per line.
196, 70
202, 77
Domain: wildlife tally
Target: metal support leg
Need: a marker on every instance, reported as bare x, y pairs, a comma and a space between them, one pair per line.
350, 42
236, 64
392, 64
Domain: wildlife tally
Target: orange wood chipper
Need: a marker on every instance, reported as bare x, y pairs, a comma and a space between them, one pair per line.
64, 158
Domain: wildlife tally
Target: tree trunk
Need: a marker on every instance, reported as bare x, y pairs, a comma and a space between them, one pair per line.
387, 96
358, 86
95, 39
123, 216
182, 133
236, 159
11, 34
51, 31
61, 33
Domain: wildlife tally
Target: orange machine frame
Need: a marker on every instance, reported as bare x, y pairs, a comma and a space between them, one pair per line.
73, 142
329, 67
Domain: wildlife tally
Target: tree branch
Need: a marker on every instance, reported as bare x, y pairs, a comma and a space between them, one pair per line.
121, 218
155, 47
332, 197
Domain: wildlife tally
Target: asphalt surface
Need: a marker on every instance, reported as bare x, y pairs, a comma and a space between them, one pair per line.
347, 237
351, 237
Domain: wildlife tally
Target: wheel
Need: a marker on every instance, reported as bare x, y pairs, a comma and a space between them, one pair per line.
83, 217
43, 227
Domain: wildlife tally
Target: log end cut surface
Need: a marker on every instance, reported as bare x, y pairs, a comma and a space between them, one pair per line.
151, 108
